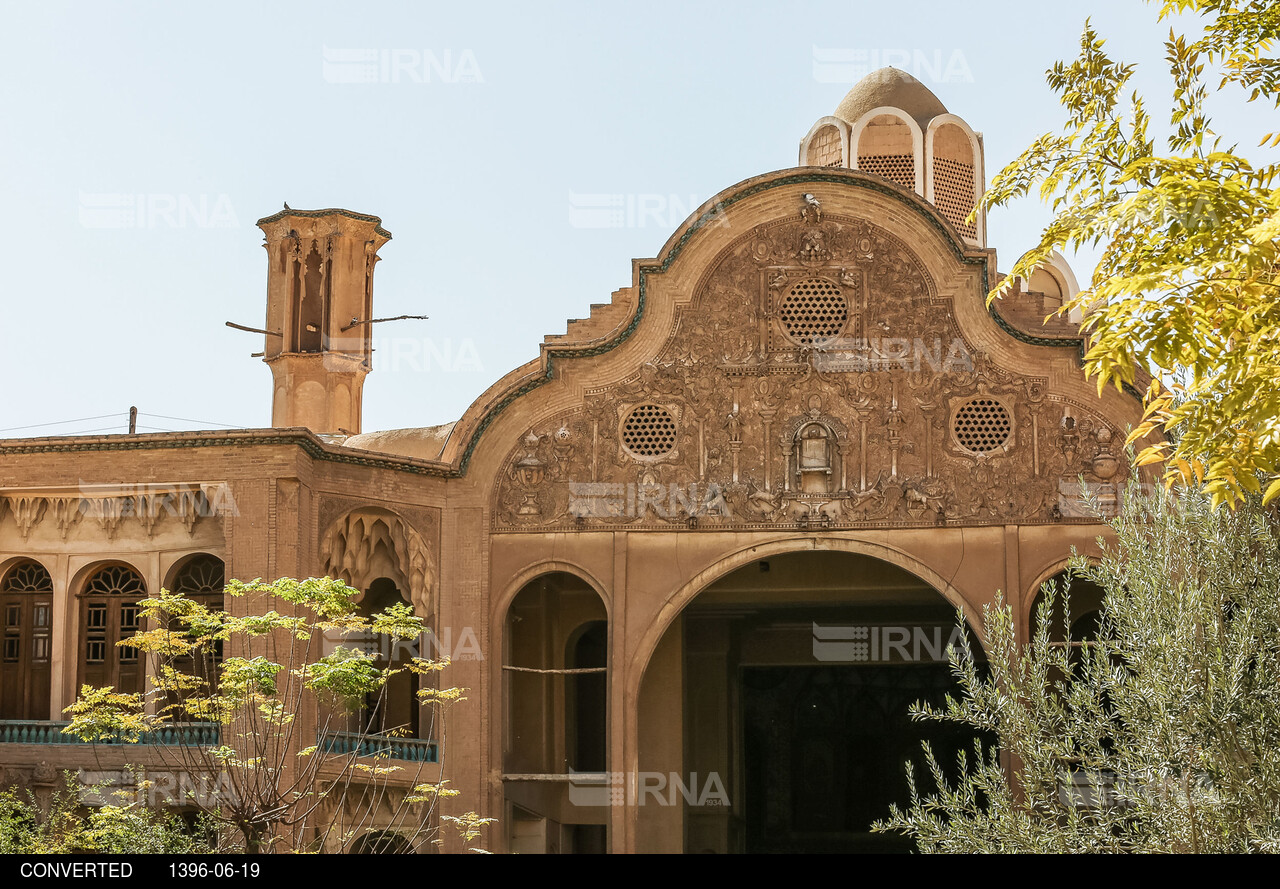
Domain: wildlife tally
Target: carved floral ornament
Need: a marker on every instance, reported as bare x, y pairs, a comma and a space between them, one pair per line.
367, 544
149, 505
817, 378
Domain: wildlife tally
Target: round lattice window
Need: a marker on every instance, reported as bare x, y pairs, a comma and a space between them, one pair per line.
982, 425
814, 311
116, 581
203, 574
649, 431
28, 577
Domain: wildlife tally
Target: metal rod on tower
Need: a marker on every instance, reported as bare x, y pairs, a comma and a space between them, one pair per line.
133, 420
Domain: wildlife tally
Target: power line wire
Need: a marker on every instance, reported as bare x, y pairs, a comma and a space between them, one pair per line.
90, 431
60, 422
186, 420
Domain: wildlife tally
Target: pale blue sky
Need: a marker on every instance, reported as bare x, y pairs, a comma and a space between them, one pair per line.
469, 150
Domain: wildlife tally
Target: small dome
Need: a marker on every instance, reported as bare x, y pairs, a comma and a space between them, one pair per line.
425, 443
895, 89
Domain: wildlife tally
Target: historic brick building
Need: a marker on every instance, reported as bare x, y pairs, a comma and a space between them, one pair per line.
703, 545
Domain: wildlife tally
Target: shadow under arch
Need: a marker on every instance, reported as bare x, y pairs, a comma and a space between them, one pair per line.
531, 572
745, 556
773, 703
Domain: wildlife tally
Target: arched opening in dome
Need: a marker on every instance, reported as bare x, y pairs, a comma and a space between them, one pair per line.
887, 147
953, 180
825, 147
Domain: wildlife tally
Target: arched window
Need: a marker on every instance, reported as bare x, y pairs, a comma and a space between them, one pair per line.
26, 604
394, 707
1046, 283
109, 612
202, 579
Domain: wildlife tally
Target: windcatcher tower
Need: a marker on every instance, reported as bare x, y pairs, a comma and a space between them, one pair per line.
320, 281
891, 125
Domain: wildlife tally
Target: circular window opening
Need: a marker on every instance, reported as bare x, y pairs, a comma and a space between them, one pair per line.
814, 311
649, 431
983, 425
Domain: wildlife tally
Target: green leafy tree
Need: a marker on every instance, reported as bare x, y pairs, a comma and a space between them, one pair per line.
295, 762
1188, 284
1161, 735
61, 825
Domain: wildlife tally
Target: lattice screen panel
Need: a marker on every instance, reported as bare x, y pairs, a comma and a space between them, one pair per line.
813, 311
649, 431
953, 193
982, 425
899, 168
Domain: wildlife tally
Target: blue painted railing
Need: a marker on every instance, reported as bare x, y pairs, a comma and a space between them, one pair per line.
24, 731
408, 749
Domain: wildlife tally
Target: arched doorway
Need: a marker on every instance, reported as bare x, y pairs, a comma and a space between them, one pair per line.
796, 673
555, 738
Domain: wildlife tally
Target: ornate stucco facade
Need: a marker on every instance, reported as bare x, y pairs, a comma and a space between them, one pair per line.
802, 414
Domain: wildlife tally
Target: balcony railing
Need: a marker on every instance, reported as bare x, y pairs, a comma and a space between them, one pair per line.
408, 749
39, 731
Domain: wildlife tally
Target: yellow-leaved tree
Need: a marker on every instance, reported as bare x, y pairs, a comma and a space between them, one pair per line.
1188, 284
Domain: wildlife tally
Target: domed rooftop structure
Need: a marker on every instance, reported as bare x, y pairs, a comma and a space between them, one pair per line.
893, 88
892, 126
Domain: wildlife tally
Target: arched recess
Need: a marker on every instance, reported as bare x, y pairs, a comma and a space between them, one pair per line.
953, 158
380, 554
1078, 622
310, 300
371, 542
888, 142
826, 144
858, 627
199, 576
555, 680
26, 613
395, 707
735, 560
1057, 282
